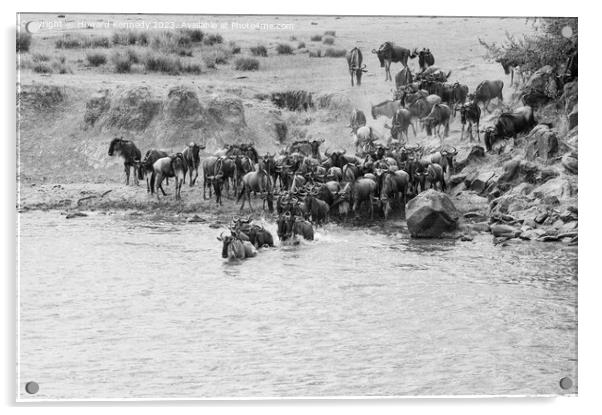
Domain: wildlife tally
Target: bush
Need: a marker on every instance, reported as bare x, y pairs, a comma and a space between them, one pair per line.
234, 48
96, 58
246, 64
42, 67
284, 49
209, 63
129, 38
40, 57
259, 50
316, 38
329, 40
132, 55
218, 55
292, 38
99, 42
162, 63
60, 67
301, 45
194, 68
121, 62
195, 35
69, 41
213, 38
23, 41
547, 46
183, 52
171, 42
334, 53
315, 53
330, 33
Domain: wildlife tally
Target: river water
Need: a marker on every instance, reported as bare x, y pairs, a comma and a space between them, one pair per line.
116, 306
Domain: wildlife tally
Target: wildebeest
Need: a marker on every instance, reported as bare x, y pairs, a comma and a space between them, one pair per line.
130, 154
146, 167
423, 105
387, 53
425, 58
354, 62
393, 184
236, 248
254, 181
459, 95
510, 124
257, 235
363, 136
337, 157
363, 190
208, 166
289, 226
444, 158
400, 124
403, 78
509, 65
433, 73
439, 116
316, 207
488, 90
171, 166
226, 168
307, 148
191, 156
430, 173
386, 108
358, 119
470, 113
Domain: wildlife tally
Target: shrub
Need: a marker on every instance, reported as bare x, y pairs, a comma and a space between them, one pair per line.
284, 49
213, 38
99, 42
547, 46
40, 57
183, 52
259, 50
23, 41
292, 38
162, 63
246, 64
60, 67
219, 55
315, 53
129, 37
334, 53
171, 42
96, 58
42, 67
234, 48
209, 62
69, 41
330, 33
329, 40
301, 45
196, 35
121, 62
316, 38
194, 68
132, 55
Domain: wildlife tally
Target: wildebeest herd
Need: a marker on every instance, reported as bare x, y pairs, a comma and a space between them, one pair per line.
307, 187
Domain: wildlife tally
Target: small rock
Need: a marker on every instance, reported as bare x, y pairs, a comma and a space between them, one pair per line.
456, 179
541, 217
195, 218
570, 163
479, 226
507, 231
466, 238
75, 215
215, 225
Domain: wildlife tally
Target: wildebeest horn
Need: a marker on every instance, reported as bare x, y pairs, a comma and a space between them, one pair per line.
327, 153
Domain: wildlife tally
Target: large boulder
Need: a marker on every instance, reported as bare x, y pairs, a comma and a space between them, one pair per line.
543, 143
466, 156
430, 214
570, 163
573, 118
479, 180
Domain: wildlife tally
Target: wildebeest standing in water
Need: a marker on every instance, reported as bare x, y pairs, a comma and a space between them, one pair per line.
146, 167
130, 154
191, 156
289, 226
235, 247
387, 53
393, 184
171, 166
354, 62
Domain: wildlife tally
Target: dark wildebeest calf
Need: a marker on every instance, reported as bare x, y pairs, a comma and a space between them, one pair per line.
146, 168
354, 61
470, 113
130, 154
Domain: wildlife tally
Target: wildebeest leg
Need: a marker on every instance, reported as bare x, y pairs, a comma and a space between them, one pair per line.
478, 136
158, 181
126, 167
387, 70
351, 73
462, 132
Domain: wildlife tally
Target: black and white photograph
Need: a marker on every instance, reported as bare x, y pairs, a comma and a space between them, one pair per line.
296, 206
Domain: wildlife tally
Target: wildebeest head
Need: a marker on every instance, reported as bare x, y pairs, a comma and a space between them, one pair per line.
448, 154
490, 136
337, 157
315, 148
226, 241
284, 226
195, 149
115, 145
383, 52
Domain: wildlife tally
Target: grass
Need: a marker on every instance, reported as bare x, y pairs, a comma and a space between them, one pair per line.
96, 58
121, 62
334, 53
246, 64
154, 62
39, 57
42, 67
129, 38
301, 45
217, 55
315, 53
58, 65
23, 41
316, 38
330, 33
328, 40
234, 48
259, 50
284, 49
76, 41
213, 39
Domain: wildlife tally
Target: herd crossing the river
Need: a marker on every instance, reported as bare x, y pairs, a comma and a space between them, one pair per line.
309, 186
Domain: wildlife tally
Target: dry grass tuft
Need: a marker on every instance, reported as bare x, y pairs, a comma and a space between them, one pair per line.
246, 64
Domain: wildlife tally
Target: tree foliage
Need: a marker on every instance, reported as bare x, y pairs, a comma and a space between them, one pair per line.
551, 44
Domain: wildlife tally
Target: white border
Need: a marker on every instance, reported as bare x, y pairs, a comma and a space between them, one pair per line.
589, 270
